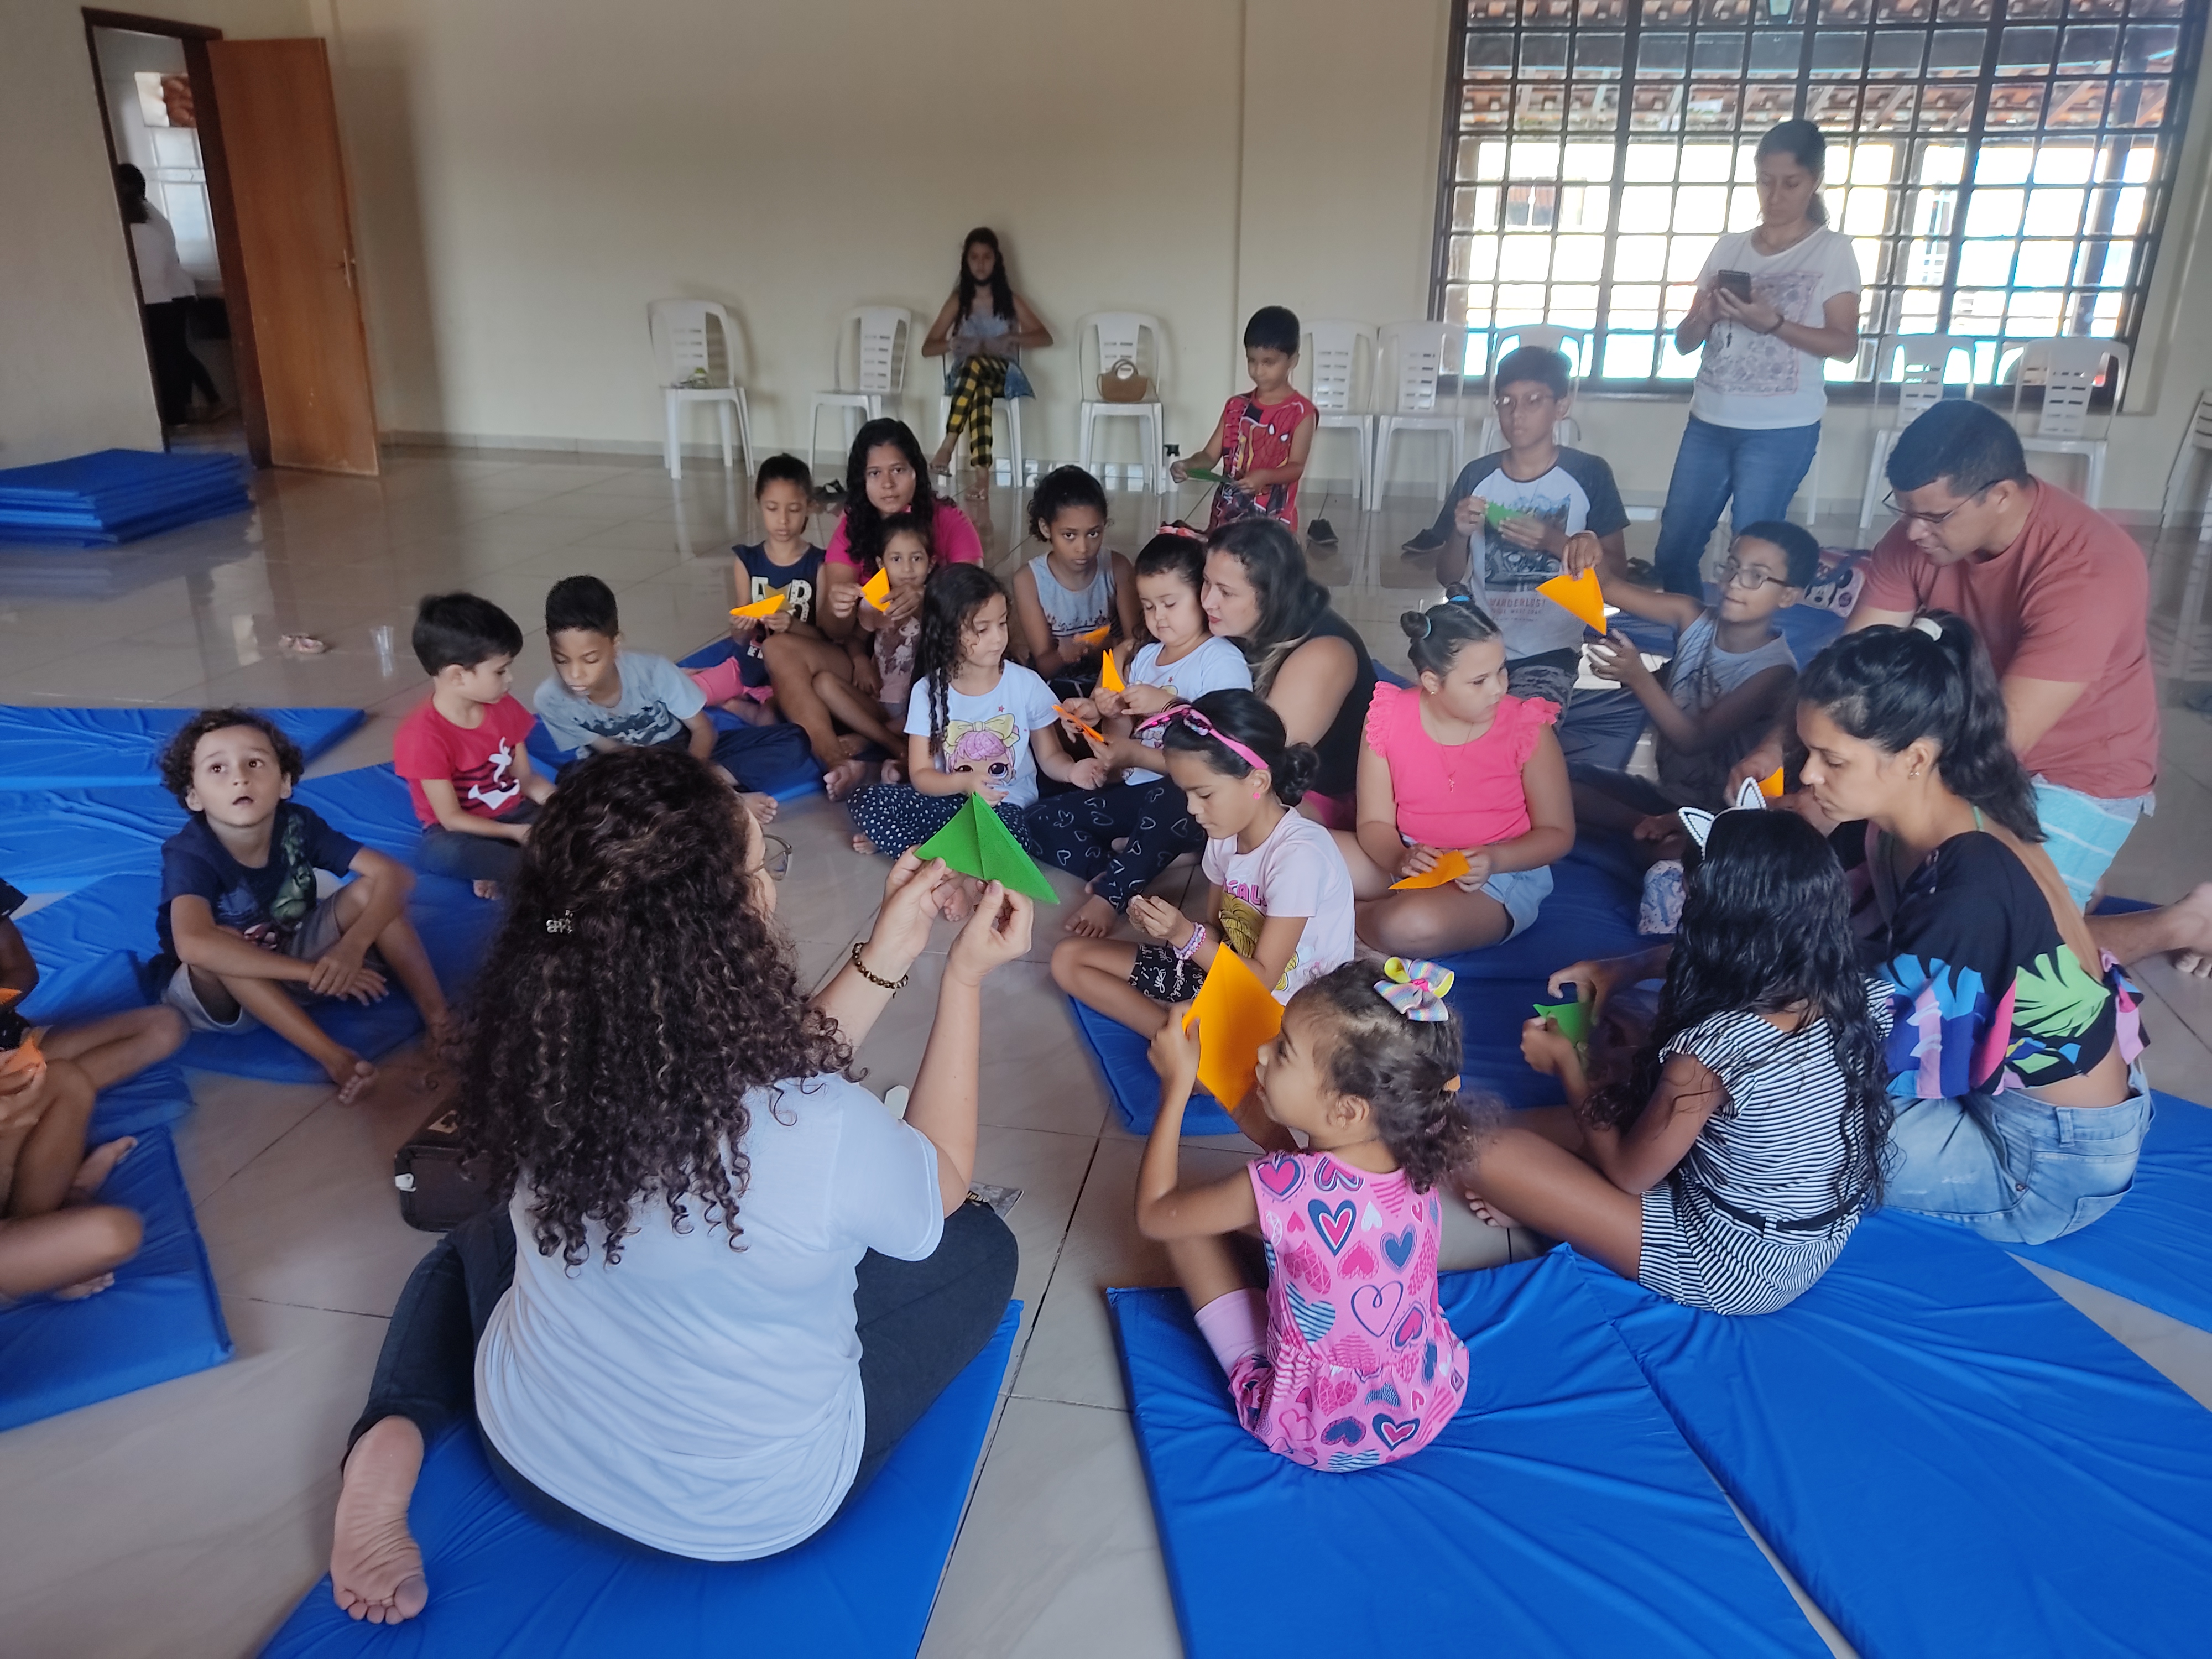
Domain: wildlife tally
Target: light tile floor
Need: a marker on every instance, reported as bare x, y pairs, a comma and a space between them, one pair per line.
188, 1518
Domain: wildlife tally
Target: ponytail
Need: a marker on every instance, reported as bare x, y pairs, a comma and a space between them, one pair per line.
1893, 686
1246, 718
1436, 636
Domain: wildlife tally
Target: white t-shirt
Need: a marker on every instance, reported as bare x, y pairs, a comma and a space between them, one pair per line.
702, 1400
1216, 666
1759, 382
989, 733
162, 276
1296, 872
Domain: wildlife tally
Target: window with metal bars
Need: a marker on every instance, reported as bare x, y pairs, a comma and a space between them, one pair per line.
2001, 166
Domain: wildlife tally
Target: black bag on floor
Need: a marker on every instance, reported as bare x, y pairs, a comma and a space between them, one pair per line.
435, 1192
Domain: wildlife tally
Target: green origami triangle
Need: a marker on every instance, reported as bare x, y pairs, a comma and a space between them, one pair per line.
977, 843
1573, 1019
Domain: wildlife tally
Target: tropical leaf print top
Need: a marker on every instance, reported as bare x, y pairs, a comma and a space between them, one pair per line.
1985, 993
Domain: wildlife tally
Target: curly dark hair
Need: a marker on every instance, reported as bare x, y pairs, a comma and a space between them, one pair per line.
177, 759
864, 520
634, 994
1400, 1067
954, 592
1766, 924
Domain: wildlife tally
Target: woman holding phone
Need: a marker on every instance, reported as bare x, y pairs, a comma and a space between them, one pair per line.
1774, 303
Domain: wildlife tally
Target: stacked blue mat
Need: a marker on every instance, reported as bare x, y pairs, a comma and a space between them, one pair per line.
160, 1319
502, 1583
43, 748
116, 495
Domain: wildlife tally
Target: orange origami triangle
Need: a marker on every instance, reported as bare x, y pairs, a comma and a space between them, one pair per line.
1110, 677
1579, 594
777, 598
1449, 866
877, 590
1069, 715
1771, 785
1094, 636
1234, 1014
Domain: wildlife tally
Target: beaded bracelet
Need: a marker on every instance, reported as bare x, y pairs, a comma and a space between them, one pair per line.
1188, 948
861, 968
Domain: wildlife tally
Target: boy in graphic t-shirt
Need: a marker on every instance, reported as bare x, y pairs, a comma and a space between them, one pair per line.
1507, 523
783, 562
245, 939
462, 751
1260, 445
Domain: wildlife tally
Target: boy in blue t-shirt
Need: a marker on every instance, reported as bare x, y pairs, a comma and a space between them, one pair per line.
245, 940
600, 696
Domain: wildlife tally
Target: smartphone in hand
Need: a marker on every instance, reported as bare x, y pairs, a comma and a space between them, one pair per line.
1737, 282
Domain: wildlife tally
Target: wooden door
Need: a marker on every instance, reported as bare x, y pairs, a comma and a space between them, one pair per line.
277, 127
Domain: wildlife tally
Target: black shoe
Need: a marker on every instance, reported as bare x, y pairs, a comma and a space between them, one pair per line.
1423, 545
1322, 533
829, 494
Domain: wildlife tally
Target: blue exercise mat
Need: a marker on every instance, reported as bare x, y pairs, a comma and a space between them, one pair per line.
502, 1583
1558, 1514
1949, 1459
161, 1318
1133, 1086
117, 914
793, 778
115, 748
117, 496
2155, 1248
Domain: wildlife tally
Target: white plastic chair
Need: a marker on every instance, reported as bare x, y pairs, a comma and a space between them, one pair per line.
1013, 408
1112, 336
879, 370
694, 371
1923, 361
1340, 357
1416, 358
1572, 343
2174, 636
2066, 366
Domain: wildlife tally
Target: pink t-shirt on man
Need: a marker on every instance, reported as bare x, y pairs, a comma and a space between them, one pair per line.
478, 763
2067, 601
954, 538
1463, 795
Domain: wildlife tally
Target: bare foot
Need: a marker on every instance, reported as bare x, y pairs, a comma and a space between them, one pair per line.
862, 844
376, 1567
762, 807
846, 776
943, 457
352, 1074
1094, 919
84, 1287
93, 1173
893, 772
2188, 962
1489, 1213
487, 890
2193, 912
960, 895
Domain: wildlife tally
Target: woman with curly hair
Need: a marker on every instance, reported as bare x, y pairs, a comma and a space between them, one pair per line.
742, 1280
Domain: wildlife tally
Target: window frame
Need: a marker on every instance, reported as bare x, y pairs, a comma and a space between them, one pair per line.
2170, 135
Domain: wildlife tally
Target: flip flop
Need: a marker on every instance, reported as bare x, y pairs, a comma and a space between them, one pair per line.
303, 645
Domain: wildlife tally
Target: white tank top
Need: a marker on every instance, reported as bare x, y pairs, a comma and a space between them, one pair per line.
1078, 611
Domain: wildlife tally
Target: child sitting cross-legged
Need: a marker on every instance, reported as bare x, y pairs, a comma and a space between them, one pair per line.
1727, 1167
1456, 764
975, 723
895, 630
54, 1238
1732, 675
1143, 812
245, 940
464, 752
1277, 892
1367, 1070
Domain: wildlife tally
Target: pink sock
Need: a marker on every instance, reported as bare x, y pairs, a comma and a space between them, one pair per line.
1234, 1326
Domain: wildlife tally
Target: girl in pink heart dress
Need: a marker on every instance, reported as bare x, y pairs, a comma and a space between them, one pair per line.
1344, 1361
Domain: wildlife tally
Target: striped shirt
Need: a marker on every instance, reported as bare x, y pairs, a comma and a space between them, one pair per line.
1771, 1151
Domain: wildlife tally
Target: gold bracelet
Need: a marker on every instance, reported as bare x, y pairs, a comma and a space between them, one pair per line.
861, 968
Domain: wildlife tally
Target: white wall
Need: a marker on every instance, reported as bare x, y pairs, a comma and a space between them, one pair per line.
73, 374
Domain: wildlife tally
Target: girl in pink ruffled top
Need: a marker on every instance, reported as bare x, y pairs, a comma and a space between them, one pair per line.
1456, 770
1345, 1360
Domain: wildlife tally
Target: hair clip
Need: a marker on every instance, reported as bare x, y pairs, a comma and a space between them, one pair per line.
1451, 1084
1930, 627
1467, 600
1749, 797
563, 923
1416, 988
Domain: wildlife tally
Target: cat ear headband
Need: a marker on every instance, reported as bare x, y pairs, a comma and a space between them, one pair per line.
1699, 823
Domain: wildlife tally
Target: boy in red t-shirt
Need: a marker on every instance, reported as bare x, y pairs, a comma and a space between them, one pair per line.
463, 751
1264, 435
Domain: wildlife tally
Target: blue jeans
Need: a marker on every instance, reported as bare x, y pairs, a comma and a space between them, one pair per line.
2012, 1168
1760, 470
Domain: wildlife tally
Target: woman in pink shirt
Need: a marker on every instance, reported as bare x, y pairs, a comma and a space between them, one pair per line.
1455, 766
884, 477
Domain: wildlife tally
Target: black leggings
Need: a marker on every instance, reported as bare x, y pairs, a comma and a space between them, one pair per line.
920, 1323
1076, 833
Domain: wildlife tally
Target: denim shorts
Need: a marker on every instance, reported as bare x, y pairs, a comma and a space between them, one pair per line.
317, 933
2014, 1168
1523, 892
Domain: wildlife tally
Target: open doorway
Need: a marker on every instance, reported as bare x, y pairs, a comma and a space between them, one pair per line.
160, 170
249, 285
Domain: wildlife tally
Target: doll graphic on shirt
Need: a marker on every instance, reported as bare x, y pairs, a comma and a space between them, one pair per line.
985, 746
1240, 926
